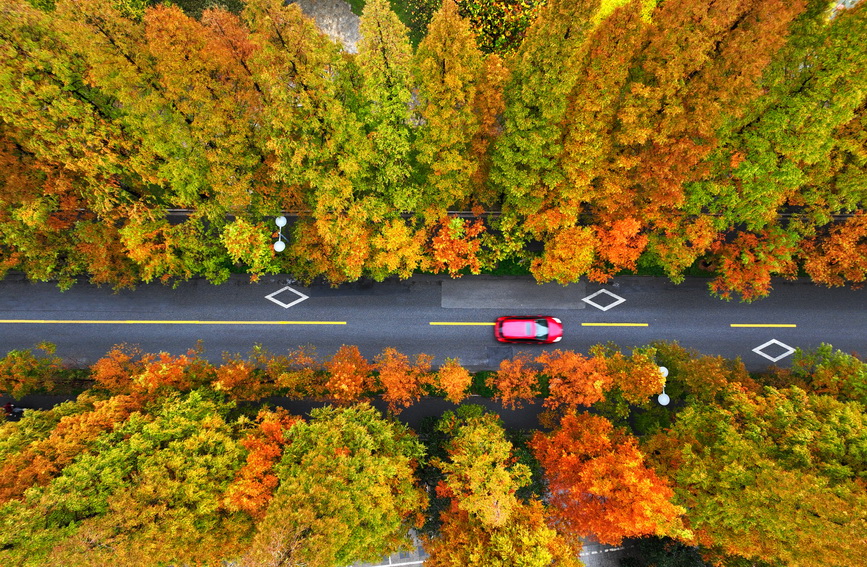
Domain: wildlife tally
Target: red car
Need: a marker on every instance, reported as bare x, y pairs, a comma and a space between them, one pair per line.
528, 329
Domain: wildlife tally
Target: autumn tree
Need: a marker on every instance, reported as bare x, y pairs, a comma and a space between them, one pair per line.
635, 378
346, 491
455, 245
448, 67
45, 442
516, 381
746, 263
813, 86
55, 113
207, 86
771, 476
250, 244
454, 380
573, 379
23, 372
384, 62
479, 473
397, 247
525, 159
241, 380
401, 379
525, 539
840, 255
349, 375
831, 372
319, 143
697, 378
600, 485
482, 521
253, 487
499, 27
147, 493
114, 48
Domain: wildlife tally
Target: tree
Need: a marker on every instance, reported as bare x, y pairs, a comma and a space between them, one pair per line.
253, 487
568, 255
840, 255
119, 63
22, 372
515, 381
49, 107
599, 484
772, 475
499, 27
573, 379
401, 379
448, 67
317, 141
814, 86
64, 433
635, 378
349, 375
250, 244
831, 372
148, 493
204, 82
241, 380
346, 491
746, 263
455, 246
384, 61
397, 248
701, 64
480, 476
454, 380
525, 539
525, 158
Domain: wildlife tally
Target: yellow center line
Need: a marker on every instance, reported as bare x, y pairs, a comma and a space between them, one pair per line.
614, 324
166, 322
787, 325
458, 323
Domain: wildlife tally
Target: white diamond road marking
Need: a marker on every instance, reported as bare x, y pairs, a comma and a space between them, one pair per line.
301, 297
789, 350
589, 299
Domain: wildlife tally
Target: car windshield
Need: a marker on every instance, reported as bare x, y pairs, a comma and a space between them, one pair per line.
541, 329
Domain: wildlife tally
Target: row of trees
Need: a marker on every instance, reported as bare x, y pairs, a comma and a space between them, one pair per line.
164, 460
615, 135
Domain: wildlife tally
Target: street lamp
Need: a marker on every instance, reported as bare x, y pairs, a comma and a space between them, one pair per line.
280, 246
663, 398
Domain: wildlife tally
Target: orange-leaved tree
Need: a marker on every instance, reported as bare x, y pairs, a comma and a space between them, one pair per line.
255, 482
75, 428
515, 381
242, 380
747, 262
573, 379
636, 377
401, 379
841, 255
454, 380
455, 245
599, 484
349, 375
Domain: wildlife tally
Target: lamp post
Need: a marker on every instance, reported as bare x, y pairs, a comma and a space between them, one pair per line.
663, 398
279, 246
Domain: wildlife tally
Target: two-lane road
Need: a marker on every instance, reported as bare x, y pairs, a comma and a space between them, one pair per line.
439, 316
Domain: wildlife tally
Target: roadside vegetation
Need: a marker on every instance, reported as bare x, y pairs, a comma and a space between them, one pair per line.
174, 460
582, 139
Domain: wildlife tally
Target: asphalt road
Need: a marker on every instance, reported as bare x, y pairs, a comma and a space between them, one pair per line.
234, 316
